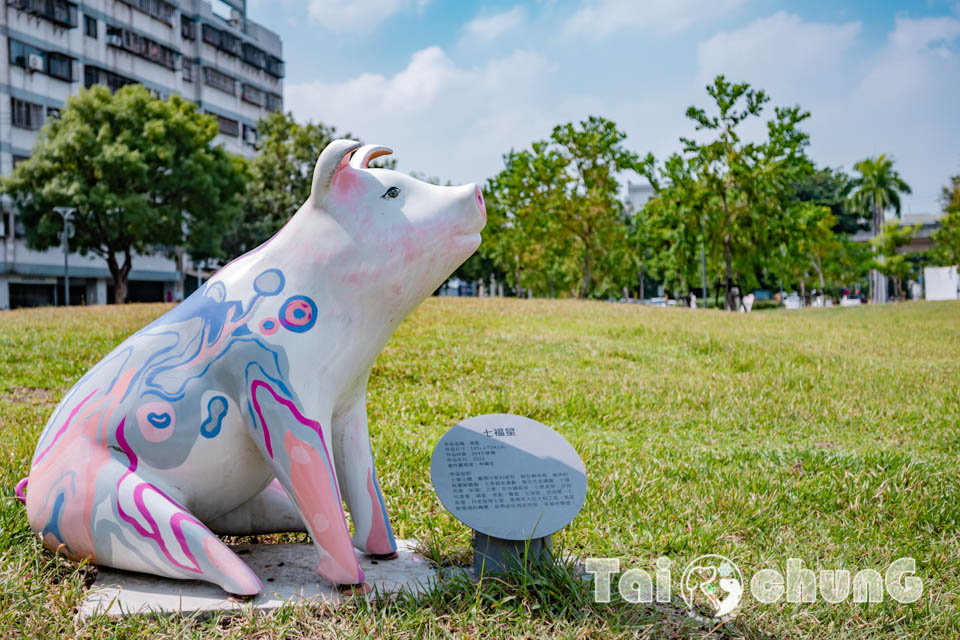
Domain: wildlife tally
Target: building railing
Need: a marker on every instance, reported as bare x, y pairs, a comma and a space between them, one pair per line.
159, 9
142, 46
59, 12
247, 52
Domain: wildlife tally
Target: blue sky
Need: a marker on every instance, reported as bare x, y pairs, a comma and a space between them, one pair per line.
452, 86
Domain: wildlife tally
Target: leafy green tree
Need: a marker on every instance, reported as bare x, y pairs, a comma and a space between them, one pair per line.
556, 211
876, 190
890, 260
143, 174
281, 176
523, 236
594, 215
831, 188
670, 224
742, 187
947, 237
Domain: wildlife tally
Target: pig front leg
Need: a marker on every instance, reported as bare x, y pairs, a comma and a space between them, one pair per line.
296, 448
358, 478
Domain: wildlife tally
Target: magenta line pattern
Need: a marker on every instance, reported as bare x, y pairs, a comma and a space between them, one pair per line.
176, 521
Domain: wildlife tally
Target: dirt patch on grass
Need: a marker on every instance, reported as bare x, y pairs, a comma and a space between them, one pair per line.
31, 395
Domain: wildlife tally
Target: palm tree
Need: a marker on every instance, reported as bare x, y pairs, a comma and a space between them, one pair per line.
876, 190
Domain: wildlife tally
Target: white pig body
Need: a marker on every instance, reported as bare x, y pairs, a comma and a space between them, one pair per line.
242, 410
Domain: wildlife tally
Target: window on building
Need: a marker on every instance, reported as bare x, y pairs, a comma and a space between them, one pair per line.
53, 112
90, 26
159, 9
26, 115
60, 12
254, 56
52, 63
231, 44
141, 46
275, 66
220, 81
95, 75
249, 135
23, 55
253, 95
274, 102
188, 70
60, 66
18, 159
188, 28
227, 126
114, 35
211, 35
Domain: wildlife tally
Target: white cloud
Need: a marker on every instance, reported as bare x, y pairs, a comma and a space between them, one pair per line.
358, 16
438, 116
486, 28
914, 35
599, 18
779, 53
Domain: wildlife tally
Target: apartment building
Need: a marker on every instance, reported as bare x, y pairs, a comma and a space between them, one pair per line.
207, 52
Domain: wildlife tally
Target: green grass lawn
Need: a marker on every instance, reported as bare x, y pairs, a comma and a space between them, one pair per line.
826, 435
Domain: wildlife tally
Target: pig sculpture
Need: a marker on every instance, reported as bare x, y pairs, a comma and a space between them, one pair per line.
242, 410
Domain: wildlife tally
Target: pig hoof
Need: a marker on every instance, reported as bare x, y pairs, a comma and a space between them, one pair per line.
385, 556
354, 589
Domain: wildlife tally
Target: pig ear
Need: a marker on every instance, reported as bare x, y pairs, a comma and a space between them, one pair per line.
332, 159
366, 153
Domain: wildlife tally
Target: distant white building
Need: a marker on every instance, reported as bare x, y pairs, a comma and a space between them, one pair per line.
230, 66
638, 193
929, 223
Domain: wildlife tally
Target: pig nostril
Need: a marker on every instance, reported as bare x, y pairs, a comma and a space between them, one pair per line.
480, 203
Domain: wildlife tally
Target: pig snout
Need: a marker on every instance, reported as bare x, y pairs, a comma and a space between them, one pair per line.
472, 215
483, 208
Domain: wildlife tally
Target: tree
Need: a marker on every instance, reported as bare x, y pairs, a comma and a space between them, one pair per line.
523, 237
558, 208
670, 224
281, 177
742, 186
831, 188
947, 237
890, 260
142, 173
877, 189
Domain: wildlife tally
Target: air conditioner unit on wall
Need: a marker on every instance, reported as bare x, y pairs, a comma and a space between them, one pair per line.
115, 40
35, 62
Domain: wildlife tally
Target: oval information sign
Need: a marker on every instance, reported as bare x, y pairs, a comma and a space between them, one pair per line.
508, 476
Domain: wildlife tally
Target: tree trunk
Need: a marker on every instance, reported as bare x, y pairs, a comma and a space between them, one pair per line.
119, 273
586, 272
516, 275
640, 278
874, 273
823, 286
803, 293
728, 282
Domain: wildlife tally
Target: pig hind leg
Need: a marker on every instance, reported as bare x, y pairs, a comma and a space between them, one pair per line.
270, 511
151, 533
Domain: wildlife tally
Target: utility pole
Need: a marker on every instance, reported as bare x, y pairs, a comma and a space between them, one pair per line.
67, 214
703, 260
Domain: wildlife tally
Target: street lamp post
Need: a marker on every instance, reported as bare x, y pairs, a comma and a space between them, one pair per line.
67, 214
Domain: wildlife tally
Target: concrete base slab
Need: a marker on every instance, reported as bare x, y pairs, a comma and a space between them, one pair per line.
286, 571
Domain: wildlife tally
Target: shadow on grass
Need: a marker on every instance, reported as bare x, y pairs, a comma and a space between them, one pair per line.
552, 592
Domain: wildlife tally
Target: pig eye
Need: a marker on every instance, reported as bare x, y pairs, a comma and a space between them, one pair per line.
392, 192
